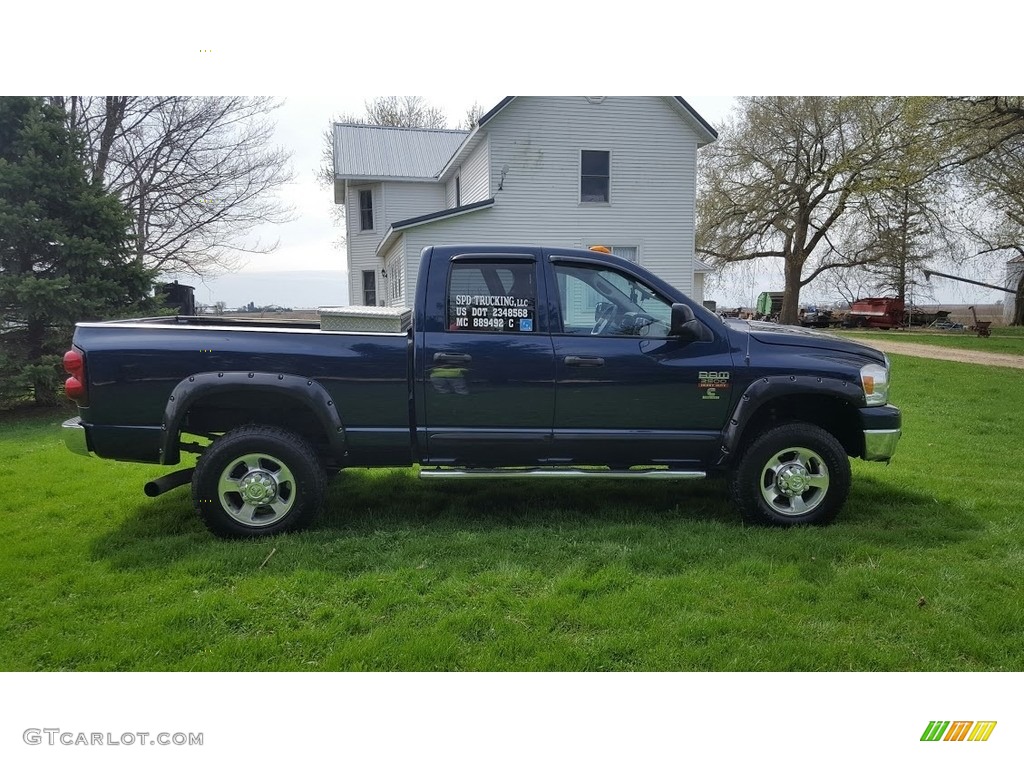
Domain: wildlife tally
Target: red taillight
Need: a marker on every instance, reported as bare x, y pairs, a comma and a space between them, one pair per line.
73, 362
74, 387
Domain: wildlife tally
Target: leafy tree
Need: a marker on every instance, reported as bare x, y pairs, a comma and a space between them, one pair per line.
789, 176
64, 249
196, 173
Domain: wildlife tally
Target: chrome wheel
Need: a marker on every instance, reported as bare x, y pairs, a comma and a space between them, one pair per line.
256, 489
794, 481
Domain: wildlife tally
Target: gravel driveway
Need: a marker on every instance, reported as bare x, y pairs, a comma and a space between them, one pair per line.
946, 353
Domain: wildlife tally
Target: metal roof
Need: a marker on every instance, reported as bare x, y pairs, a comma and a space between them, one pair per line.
379, 152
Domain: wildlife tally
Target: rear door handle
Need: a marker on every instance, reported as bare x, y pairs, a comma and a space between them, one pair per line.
584, 362
448, 357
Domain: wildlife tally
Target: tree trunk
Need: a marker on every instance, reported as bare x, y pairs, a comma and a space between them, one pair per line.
1018, 303
42, 386
113, 117
791, 298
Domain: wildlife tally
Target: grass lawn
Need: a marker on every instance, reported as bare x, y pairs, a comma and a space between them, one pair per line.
1007, 341
921, 571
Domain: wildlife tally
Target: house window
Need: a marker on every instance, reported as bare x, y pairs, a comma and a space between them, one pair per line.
492, 298
369, 288
627, 252
595, 176
365, 209
630, 253
458, 191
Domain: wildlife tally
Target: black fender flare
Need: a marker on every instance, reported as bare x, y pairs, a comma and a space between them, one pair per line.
308, 392
767, 388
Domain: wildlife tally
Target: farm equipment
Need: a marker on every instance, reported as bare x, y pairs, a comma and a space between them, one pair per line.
813, 316
943, 323
981, 327
929, 272
769, 305
884, 312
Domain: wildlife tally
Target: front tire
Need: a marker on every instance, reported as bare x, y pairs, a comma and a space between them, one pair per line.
257, 481
792, 474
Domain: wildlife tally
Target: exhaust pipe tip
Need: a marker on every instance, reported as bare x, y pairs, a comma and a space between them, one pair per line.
168, 482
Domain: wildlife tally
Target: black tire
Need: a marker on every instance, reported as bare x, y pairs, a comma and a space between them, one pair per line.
257, 481
792, 474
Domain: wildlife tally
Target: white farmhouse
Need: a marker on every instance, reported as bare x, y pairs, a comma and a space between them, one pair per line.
571, 171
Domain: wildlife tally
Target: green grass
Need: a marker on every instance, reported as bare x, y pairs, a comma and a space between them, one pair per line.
1007, 341
921, 571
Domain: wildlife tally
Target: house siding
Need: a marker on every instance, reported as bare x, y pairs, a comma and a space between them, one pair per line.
475, 177
361, 246
395, 251
392, 201
407, 199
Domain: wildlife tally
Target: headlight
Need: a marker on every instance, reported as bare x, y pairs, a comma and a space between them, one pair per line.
875, 381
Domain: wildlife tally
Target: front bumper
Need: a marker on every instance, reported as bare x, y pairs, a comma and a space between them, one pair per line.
74, 437
882, 429
880, 444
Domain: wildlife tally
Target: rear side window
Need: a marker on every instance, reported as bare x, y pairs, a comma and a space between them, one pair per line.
492, 297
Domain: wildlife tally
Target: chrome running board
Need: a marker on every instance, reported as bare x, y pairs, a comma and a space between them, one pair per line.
591, 474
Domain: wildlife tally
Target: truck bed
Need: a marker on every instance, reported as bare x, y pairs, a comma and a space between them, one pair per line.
135, 366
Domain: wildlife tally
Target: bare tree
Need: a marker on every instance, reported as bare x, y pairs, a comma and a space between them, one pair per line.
473, 114
789, 174
404, 112
849, 284
197, 174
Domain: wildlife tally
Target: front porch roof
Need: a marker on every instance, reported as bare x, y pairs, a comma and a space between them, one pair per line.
426, 218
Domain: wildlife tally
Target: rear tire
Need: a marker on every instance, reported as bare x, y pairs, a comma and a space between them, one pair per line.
792, 474
258, 481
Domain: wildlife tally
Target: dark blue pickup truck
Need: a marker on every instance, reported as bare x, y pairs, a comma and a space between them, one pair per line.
520, 361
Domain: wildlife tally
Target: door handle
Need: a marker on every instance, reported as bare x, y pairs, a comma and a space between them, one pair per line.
584, 362
448, 357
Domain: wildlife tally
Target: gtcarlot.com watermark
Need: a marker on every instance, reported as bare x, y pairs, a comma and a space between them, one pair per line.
58, 737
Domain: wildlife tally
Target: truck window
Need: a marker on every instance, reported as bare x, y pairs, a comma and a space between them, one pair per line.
492, 297
605, 302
